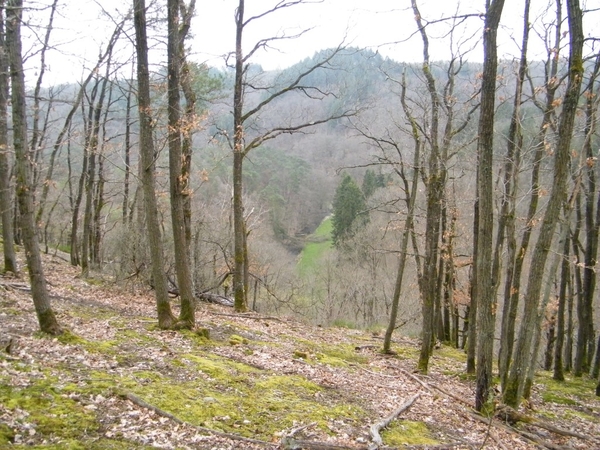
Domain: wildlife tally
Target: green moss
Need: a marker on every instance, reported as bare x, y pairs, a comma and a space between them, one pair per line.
68, 337
52, 413
572, 414
406, 432
234, 339
335, 355
455, 354
572, 391
7, 435
342, 323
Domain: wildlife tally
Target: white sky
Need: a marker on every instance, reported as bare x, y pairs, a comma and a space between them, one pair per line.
383, 25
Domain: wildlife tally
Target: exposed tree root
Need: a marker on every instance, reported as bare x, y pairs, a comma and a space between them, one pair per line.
377, 427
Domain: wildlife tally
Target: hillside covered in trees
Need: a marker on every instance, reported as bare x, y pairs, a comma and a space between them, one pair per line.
451, 201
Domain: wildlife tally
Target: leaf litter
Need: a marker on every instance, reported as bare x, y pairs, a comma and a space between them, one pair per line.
318, 386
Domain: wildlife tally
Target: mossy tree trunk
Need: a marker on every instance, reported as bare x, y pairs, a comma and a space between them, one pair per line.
586, 336
177, 182
523, 357
41, 299
514, 269
565, 274
147, 154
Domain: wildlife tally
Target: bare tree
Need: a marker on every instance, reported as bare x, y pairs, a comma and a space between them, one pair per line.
483, 253
523, 357
178, 183
10, 258
165, 316
41, 299
242, 143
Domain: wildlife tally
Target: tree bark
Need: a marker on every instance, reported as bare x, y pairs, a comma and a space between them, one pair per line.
165, 316
565, 275
239, 294
518, 372
8, 238
486, 301
41, 299
512, 290
434, 193
410, 198
177, 183
506, 223
585, 335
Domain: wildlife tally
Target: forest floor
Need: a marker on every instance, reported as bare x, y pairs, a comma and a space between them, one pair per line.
115, 381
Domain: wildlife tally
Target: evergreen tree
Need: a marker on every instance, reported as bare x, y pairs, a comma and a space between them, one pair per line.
372, 182
349, 210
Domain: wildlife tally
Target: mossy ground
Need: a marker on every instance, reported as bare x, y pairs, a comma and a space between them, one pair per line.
573, 391
406, 432
243, 375
197, 386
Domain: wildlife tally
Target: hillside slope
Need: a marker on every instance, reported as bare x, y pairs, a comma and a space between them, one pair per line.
113, 381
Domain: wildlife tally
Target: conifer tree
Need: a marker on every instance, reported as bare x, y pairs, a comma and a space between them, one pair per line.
349, 210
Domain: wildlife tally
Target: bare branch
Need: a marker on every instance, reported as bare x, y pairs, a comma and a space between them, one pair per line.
294, 85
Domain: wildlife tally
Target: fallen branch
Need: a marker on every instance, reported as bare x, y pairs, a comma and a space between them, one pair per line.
377, 427
529, 436
250, 316
215, 298
139, 402
560, 431
431, 387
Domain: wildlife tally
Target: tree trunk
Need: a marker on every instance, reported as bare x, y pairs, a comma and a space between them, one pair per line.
410, 199
515, 383
434, 192
565, 275
177, 183
165, 316
506, 225
127, 159
586, 335
486, 303
41, 299
512, 290
92, 144
239, 294
190, 116
8, 239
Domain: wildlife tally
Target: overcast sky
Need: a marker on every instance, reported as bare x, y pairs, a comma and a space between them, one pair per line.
384, 25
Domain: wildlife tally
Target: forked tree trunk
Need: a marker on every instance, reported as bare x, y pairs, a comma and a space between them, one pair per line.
165, 316
410, 199
178, 184
41, 299
434, 192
